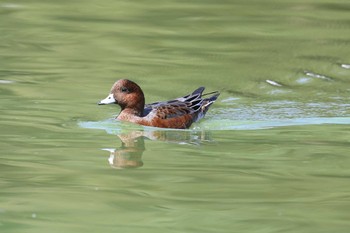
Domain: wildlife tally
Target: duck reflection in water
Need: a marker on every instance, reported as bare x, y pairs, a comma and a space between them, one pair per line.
129, 154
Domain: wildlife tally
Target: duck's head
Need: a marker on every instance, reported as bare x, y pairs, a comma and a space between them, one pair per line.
127, 94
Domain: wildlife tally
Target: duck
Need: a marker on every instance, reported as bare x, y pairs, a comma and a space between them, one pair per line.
178, 113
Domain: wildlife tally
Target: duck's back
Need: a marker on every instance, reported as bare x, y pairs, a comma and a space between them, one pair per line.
180, 112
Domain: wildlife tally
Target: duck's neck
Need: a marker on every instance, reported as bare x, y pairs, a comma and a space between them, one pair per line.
133, 105
131, 115
132, 112
136, 109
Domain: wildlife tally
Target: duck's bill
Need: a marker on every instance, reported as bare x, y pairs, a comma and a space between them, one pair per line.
108, 100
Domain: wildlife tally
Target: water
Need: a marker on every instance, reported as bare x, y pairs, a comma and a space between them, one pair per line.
270, 156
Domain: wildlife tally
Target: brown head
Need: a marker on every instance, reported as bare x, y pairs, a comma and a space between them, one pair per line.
128, 95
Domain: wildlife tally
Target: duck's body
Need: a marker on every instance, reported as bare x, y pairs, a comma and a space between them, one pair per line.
179, 113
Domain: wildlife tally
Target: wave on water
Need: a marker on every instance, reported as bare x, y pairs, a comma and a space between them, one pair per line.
261, 124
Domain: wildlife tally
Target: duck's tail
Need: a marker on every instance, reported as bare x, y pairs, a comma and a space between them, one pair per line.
209, 99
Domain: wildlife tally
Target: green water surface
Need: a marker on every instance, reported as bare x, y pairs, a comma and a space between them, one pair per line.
272, 154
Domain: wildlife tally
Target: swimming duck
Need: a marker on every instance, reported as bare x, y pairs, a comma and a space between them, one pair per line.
178, 113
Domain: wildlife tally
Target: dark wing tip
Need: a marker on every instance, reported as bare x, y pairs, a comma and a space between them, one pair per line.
199, 90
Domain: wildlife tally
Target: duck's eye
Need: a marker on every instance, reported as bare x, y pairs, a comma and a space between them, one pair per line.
124, 89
